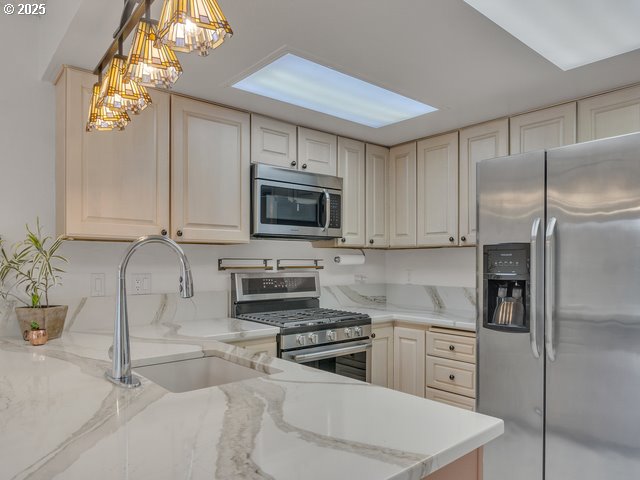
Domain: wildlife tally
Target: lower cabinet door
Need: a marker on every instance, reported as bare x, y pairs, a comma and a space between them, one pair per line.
382, 357
408, 360
450, 399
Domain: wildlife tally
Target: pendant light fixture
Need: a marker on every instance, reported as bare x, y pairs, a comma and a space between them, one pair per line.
151, 63
118, 93
103, 119
188, 25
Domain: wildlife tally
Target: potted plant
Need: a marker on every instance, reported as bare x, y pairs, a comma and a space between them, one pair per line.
31, 270
35, 336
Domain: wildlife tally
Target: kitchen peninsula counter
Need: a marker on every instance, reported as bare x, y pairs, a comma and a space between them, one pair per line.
60, 419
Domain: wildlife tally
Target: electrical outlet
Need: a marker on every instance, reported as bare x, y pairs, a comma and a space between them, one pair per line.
97, 284
360, 278
141, 283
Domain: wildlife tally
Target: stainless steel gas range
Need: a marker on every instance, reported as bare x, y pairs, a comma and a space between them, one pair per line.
331, 340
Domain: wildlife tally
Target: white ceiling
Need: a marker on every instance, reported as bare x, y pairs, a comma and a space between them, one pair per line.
440, 52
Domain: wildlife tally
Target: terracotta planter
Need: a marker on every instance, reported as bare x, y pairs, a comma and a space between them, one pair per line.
35, 337
50, 319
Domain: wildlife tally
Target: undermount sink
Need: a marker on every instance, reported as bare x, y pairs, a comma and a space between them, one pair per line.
197, 373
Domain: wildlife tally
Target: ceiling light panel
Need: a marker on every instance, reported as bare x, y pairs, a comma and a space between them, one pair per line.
301, 82
568, 33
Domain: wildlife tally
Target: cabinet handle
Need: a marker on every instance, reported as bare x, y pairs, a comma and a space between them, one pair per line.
371, 241
304, 166
451, 239
294, 163
179, 232
373, 335
343, 239
452, 347
464, 239
452, 377
163, 232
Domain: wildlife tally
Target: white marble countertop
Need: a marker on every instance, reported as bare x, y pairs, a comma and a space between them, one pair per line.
460, 321
60, 419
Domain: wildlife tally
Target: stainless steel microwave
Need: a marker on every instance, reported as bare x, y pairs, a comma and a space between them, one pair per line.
291, 204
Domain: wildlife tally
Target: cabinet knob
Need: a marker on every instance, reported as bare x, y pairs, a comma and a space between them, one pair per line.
452, 347
179, 232
343, 239
373, 335
371, 241
451, 239
163, 232
304, 166
452, 377
464, 239
293, 163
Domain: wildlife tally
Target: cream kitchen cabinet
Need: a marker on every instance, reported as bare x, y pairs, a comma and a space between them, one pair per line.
377, 196
547, 128
402, 195
382, 356
351, 167
110, 185
273, 142
437, 191
209, 173
409, 360
610, 114
487, 140
317, 151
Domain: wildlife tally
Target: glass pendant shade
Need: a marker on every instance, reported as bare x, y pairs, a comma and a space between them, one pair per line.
118, 93
151, 64
188, 25
102, 118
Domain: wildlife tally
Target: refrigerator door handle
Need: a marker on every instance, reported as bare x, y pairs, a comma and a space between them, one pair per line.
533, 311
549, 273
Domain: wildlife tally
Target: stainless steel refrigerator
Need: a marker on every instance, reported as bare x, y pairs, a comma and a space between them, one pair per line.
559, 311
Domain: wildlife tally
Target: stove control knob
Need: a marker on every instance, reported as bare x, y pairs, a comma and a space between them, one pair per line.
300, 340
348, 332
331, 335
313, 338
357, 331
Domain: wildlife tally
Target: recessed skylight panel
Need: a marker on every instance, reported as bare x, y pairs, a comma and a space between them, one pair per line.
568, 33
301, 82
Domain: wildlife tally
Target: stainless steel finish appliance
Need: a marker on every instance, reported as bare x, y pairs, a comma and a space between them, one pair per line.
291, 204
563, 367
331, 340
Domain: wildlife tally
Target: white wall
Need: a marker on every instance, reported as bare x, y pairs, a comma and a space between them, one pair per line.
451, 267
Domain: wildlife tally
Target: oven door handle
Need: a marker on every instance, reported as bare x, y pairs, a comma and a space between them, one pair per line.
334, 352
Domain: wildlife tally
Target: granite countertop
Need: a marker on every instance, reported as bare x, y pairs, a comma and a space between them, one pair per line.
60, 419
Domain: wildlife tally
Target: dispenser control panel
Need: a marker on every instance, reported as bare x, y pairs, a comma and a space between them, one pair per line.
509, 261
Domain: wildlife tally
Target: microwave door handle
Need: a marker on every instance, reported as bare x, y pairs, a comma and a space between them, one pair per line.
327, 210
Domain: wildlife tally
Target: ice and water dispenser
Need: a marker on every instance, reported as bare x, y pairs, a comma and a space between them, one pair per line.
506, 287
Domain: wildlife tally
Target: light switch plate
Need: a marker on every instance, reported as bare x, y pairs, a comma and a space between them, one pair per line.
97, 284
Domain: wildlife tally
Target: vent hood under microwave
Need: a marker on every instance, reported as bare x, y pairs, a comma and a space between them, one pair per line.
292, 204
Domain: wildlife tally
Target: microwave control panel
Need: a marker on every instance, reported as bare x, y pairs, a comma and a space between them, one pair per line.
335, 211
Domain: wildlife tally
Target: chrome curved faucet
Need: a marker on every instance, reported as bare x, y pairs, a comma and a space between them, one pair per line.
121, 372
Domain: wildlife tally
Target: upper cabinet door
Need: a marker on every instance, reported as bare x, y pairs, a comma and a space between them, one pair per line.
437, 209
209, 173
351, 167
377, 204
273, 142
548, 128
317, 151
110, 185
608, 115
402, 193
487, 140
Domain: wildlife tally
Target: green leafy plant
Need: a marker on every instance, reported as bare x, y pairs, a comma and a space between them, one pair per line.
31, 267
35, 326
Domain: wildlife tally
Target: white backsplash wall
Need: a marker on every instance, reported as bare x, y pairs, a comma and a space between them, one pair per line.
449, 267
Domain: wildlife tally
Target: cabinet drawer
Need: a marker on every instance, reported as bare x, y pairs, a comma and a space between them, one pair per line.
450, 399
451, 376
455, 347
